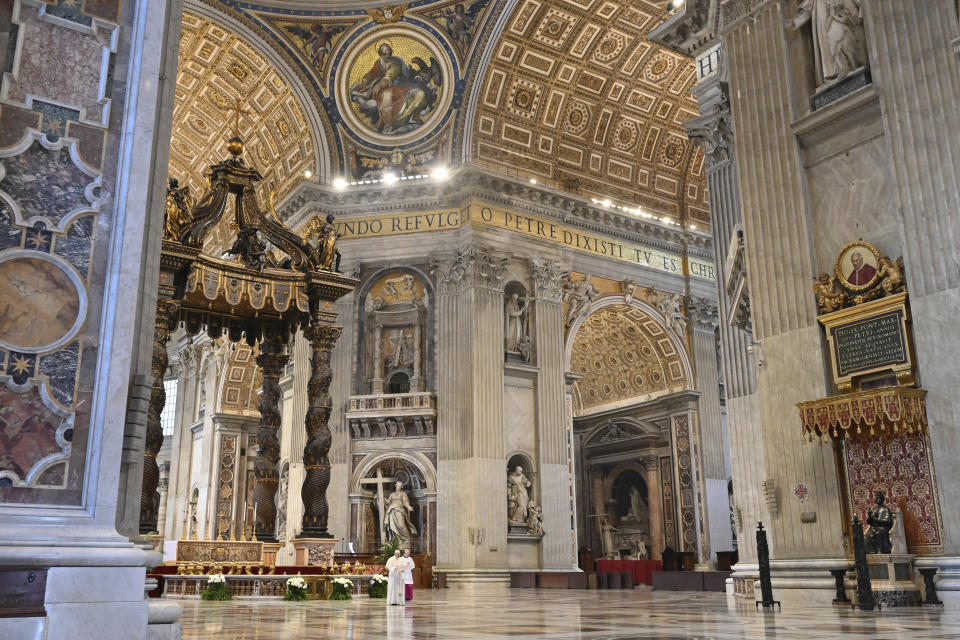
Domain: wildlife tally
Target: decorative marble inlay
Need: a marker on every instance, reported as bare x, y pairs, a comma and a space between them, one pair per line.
77, 77
33, 437
40, 304
66, 187
686, 487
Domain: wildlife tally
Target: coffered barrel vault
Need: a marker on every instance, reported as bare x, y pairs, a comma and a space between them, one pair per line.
576, 94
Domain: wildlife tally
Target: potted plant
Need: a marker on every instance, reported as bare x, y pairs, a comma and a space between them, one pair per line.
378, 586
296, 588
341, 589
216, 588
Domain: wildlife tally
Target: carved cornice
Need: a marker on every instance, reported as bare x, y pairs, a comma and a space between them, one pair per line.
310, 199
703, 314
691, 30
547, 278
733, 11
473, 266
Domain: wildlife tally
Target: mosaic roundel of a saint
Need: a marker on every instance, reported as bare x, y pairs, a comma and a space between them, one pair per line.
396, 86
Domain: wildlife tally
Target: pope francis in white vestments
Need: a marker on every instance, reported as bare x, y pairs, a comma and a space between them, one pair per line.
395, 587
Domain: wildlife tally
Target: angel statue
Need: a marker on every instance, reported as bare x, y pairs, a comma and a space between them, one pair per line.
326, 256
177, 210
317, 40
828, 297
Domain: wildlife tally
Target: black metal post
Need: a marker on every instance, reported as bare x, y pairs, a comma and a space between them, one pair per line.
931, 588
864, 590
763, 558
839, 575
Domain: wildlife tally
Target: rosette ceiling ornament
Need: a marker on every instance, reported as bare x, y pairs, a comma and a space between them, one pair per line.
276, 283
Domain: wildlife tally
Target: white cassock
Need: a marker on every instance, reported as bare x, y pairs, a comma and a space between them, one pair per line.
395, 581
407, 565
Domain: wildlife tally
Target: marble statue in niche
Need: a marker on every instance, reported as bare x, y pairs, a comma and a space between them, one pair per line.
534, 520
516, 325
518, 497
638, 506
397, 510
839, 44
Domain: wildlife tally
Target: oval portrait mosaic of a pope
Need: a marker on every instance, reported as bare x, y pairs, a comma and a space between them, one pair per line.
395, 86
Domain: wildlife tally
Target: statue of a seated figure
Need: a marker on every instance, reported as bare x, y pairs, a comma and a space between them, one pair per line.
881, 521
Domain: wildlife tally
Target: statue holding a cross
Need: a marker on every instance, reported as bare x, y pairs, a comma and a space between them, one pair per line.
394, 510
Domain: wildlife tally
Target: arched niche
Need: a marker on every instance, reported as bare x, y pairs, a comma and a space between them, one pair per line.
524, 462
395, 317
375, 476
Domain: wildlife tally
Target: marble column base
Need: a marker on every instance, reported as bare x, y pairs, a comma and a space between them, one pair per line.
87, 602
477, 579
805, 581
162, 617
269, 554
321, 550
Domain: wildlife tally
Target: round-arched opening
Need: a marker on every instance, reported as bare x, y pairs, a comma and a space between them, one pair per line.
631, 497
399, 383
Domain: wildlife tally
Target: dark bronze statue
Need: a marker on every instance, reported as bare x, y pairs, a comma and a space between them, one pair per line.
881, 520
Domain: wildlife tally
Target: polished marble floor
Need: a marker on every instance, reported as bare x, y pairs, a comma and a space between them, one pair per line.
521, 614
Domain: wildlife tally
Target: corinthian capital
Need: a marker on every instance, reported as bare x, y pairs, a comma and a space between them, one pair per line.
547, 278
473, 266
714, 133
703, 314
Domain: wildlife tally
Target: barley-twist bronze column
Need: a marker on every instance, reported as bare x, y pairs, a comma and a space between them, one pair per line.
316, 452
271, 360
153, 440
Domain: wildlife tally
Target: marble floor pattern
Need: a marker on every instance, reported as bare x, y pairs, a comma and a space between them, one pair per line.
565, 615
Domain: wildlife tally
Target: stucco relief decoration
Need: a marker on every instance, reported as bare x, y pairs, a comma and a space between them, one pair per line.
622, 353
394, 85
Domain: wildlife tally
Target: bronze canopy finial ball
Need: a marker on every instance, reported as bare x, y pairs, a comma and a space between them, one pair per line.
235, 145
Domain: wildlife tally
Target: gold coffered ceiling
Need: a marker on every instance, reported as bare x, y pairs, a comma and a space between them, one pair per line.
576, 94
215, 68
622, 354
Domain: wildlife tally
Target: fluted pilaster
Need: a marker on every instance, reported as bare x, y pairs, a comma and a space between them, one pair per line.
471, 463
913, 45
556, 547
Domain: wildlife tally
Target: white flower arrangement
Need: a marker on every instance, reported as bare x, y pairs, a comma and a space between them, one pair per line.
377, 578
297, 582
344, 582
216, 578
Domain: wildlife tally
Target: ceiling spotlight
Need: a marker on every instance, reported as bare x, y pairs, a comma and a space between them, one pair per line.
307, 173
533, 181
339, 184
440, 173
676, 4
694, 227
390, 177
606, 203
